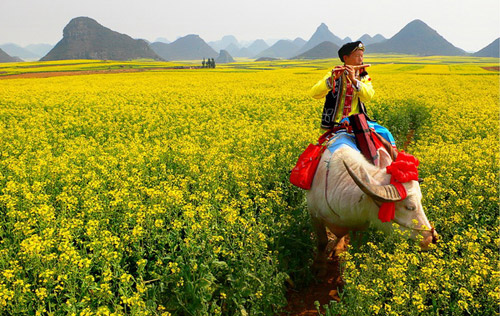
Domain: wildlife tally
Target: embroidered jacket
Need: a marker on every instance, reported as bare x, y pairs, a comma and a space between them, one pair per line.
342, 101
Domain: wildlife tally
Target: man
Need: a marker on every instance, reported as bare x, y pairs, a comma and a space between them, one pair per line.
346, 88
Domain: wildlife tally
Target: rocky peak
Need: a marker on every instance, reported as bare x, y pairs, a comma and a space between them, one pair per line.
81, 27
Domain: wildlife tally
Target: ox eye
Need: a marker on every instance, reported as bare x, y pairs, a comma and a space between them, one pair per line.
410, 207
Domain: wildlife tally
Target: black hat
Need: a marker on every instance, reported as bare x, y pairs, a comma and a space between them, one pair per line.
348, 48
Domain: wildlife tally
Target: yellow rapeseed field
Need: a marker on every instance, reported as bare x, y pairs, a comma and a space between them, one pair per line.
166, 192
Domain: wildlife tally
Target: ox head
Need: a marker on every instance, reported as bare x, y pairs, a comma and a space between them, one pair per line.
409, 213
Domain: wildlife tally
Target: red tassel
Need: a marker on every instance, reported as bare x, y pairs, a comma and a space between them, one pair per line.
402, 170
386, 212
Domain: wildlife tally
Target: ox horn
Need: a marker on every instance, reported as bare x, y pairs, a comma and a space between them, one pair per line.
382, 193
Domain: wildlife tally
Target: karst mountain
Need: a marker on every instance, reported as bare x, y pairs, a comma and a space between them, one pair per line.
85, 38
6, 58
491, 50
416, 38
189, 47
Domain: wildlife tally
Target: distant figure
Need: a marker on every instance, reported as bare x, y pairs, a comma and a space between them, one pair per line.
210, 63
203, 63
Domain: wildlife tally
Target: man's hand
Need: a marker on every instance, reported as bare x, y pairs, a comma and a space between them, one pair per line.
337, 72
351, 73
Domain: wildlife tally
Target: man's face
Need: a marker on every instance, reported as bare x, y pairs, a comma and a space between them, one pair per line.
355, 58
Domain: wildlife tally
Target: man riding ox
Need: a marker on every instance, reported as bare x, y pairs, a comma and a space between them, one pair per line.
348, 192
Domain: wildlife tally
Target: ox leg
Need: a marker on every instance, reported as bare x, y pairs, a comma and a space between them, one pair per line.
342, 240
319, 264
340, 246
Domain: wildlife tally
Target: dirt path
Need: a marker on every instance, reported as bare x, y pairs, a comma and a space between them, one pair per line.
493, 68
409, 139
301, 303
324, 290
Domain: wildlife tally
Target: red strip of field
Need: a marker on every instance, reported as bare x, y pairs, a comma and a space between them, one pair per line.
86, 72
493, 68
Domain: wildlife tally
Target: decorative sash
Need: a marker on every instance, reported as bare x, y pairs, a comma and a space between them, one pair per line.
349, 90
339, 99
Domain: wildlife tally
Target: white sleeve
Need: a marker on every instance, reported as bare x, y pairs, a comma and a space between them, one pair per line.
358, 85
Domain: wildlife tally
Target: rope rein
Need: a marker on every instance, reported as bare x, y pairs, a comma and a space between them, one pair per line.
326, 187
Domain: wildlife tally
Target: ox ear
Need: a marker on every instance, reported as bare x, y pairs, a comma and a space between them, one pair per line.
382, 193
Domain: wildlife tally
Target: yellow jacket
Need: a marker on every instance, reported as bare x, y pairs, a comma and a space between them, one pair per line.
365, 93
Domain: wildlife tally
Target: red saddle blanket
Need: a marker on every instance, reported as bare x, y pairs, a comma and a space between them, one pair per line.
303, 173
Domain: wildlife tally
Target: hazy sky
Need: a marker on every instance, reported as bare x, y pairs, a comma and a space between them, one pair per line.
467, 24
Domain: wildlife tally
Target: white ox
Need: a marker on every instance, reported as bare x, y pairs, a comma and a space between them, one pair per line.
346, 194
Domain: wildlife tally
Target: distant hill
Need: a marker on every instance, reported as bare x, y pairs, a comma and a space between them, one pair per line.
368, 40
282, 48
324, 50
233, 49
379, 38
416, 38
84, 38
6, 58
242, 52
224, 43
257, 46
189, 47
162, 40
346, 40
39, 49
18, 51
299, 42
492, 50
224, 57
321, 35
